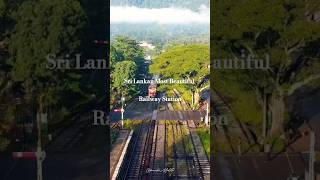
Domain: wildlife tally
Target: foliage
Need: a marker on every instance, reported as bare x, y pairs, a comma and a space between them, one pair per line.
187, 140
114, 134
124, 70
54, 26
2, 8
35, 29
204, 134
124, 48
5, 21
6, 109
184, 62
127, 62
242, 100
132, 124
170, 144
42, 28
287, 32
189, 61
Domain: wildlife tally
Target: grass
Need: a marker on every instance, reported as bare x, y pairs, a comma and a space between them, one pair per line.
131, 124
204, 134
220, 146
170, 142
114, 133
243, 101
187, 140
170, 122
176, 105
277, 144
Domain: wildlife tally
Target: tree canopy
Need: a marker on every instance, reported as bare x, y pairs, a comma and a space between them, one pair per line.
124, 48
127, 62
34, 29
2, 8
285, 30
124, 70
184, 62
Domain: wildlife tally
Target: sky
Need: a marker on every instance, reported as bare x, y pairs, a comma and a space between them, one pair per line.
132, 14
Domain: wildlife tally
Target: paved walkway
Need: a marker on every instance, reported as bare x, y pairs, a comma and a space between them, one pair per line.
117, 148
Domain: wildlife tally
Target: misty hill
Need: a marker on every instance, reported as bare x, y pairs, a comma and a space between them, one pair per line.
159, 34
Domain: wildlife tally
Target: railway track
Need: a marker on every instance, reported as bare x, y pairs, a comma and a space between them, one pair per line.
180, 156
155, 153
158, 152
147, 153
223, 108
163, 150
139, 152
200, 155
68, 138
188, 160
189, 153
197, 160
132, 168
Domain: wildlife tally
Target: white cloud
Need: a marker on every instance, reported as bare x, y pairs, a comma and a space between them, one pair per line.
132, 14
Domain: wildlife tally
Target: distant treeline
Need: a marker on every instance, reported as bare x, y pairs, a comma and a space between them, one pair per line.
158, 34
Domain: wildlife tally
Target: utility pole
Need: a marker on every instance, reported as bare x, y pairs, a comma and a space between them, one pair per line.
122, 109
39, 162
264, 113
18, 102
311, 155
40, 155
207, 115
265, 119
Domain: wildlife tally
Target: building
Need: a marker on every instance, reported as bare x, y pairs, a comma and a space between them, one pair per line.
147, 45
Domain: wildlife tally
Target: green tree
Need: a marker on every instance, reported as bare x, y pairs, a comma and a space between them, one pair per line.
3, 21
2, 8
287, 32
6, 82
185, 62
32, 30
127, 62
124, 48
124, 70
44, 27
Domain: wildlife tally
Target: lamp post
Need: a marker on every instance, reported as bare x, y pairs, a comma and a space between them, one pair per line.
311, 155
